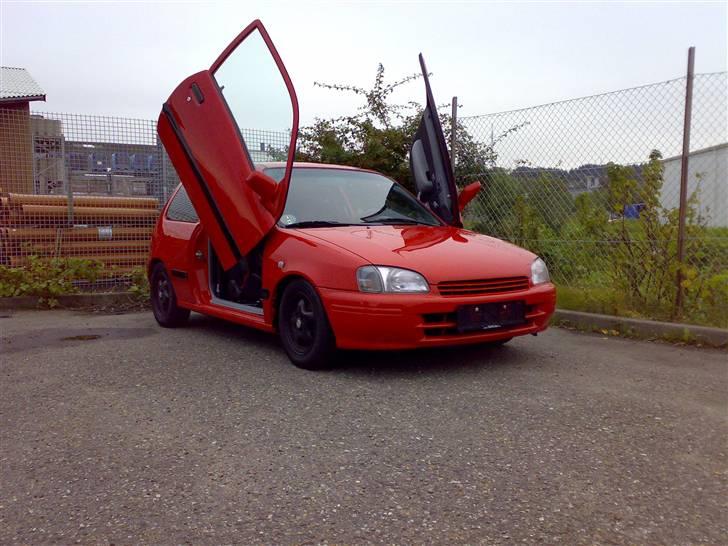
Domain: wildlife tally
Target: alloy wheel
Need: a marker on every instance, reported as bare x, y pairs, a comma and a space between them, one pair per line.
302, 322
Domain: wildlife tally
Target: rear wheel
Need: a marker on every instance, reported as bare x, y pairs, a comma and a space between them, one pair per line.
304, 328
164, 301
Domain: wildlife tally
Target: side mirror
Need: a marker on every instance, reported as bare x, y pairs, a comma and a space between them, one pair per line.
265, 187
418, 159
467, 194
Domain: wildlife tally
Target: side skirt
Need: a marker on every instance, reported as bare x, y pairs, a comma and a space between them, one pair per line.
233, 315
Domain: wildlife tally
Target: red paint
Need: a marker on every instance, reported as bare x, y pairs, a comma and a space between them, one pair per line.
467, 194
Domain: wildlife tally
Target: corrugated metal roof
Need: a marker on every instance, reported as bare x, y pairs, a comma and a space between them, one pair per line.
18, 84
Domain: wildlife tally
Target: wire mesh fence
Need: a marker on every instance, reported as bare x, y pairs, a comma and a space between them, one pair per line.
80, 194
593, 185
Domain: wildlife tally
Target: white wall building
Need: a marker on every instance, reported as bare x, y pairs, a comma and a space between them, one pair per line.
708, 172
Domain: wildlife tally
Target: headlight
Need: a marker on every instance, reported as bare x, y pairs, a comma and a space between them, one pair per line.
539, 272
377, 278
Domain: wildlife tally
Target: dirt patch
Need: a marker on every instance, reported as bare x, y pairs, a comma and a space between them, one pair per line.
50, 338
82, 337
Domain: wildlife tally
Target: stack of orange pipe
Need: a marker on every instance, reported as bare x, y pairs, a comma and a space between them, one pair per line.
113, 230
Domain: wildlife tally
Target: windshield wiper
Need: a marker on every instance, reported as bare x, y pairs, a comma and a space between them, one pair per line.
316, 223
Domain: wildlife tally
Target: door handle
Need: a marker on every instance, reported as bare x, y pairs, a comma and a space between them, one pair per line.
199, 97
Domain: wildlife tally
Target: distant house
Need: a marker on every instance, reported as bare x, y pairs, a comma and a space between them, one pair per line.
582, 179
707, 173
17, 90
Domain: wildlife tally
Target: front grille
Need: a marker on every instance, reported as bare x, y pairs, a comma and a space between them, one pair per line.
482, 286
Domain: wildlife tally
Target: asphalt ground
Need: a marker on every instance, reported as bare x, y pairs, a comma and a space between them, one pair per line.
113, 430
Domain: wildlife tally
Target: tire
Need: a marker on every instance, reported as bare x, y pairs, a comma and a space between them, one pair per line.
304, 329
164, 301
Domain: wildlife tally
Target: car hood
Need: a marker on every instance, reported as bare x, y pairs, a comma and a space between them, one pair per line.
440, 253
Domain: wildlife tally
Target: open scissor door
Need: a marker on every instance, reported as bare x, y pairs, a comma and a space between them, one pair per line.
217, 125
430, 162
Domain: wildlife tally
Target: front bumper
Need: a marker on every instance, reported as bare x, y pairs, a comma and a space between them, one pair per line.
399, 321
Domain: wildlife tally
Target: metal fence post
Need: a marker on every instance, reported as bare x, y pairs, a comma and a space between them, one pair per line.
67, 179
685, 161
161, 174
453, 130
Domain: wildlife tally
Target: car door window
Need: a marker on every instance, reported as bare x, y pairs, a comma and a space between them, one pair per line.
255, 92
181, 208
430, 162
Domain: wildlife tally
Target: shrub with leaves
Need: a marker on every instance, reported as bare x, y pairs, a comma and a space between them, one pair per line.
47, 277
139, 287
378, 135
643, 259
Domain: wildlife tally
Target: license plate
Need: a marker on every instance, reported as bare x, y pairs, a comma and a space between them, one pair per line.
490, 316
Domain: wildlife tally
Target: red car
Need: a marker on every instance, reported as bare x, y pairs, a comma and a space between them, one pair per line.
328, 256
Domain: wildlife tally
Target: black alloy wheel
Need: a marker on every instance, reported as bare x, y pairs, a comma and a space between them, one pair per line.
304, 328
164, 301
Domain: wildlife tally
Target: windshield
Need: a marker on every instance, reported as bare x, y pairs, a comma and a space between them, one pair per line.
323, 197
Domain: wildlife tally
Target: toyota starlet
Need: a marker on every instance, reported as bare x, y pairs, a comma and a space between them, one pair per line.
329, 257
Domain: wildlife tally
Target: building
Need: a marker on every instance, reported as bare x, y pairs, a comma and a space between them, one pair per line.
17, 90
708, 175
60, 154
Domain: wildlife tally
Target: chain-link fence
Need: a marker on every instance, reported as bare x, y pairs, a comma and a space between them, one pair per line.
79, 194
593, 185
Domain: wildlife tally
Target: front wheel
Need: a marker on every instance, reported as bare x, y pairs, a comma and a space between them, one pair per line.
164, 301
304, 328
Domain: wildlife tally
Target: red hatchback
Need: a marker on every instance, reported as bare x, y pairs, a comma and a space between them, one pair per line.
328, 256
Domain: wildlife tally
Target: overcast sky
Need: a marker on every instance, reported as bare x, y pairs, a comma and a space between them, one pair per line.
124, 58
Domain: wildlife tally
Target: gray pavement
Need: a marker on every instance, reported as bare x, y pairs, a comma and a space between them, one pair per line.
113, 430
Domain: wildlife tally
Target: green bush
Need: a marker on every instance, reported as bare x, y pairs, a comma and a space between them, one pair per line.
379, 134
47, 277
139, 284
603, 261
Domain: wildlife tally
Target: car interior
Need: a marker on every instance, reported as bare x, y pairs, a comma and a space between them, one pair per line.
241, 284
